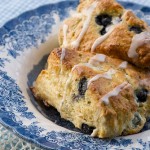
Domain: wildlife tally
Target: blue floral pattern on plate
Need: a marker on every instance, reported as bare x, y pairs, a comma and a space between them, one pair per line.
30, 30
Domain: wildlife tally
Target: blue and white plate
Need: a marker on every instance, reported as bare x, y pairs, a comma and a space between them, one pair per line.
25, 43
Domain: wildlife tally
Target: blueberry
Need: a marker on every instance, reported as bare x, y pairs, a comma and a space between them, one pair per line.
136, 29
87, 129
141, 95
82, 87
103, 31
103, 19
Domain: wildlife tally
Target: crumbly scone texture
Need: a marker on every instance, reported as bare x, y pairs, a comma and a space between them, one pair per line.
64, 84
118, 43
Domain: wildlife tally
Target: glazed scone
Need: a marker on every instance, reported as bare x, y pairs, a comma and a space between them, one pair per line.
109, 96
104, 26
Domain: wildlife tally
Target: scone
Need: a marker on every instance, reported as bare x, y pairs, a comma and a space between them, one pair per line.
104, 26
108, 96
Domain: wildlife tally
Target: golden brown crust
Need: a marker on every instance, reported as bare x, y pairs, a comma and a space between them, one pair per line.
71, 58
110, 119
119, 41
91, 88
103, 6
133, 20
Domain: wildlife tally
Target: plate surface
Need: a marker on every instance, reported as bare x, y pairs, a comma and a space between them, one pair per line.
25, 43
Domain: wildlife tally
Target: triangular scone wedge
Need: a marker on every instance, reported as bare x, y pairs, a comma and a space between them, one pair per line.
104, 26
107, 95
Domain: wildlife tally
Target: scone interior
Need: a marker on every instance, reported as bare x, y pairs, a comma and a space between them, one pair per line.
104, 26
110, 96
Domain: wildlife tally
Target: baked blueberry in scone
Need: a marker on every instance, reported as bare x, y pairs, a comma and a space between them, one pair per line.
104, 26
100, 95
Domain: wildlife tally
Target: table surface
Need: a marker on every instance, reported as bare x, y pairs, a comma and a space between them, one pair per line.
10, 9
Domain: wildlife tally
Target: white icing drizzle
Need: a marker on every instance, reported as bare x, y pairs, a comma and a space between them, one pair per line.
116, 20
94, 133
87, 65
125, 13
137, 41
114, 92
65, 91
98, 57
62, 58
65, 29
82, 64
123, 65
99, 40
63, 54
109, 30
75, 14
145, 82
88, 12
107, 75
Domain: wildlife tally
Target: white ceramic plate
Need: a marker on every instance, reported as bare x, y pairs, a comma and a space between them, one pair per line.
25, 43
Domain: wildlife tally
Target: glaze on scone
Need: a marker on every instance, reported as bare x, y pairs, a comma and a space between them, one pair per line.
110, 96
104, 26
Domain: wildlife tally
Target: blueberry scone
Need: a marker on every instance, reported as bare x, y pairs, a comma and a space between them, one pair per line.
107, 95
104, 26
